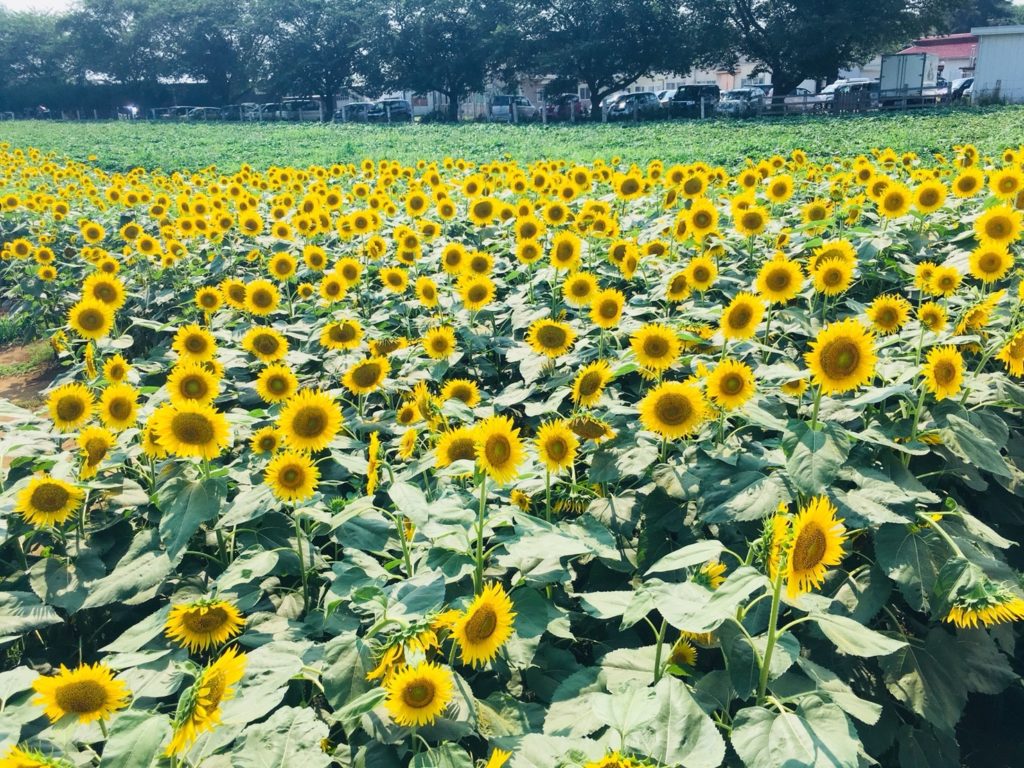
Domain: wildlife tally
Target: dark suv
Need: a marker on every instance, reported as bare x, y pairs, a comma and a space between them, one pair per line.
390, 111
685, 102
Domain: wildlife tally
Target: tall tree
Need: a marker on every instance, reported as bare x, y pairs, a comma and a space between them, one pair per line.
31, 49
447, 46
609, 44
314, 47
116, 39
981, 13
795, 40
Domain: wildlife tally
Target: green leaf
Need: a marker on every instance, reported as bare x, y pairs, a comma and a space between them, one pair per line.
21, 612
681, 733
923, 676
347, 660
444, 756
291, 737
137, 575
187, 504
968, 442
912, 558
64, 584
814, 456
817, 735
135, 740
854, 638
693, 554
626, 711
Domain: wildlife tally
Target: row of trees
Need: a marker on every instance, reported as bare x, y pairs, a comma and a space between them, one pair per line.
238, 47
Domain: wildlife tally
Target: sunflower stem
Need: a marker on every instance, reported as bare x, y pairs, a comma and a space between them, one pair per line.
302, 563
773, 620
547, 495
478, 576
817, 405
658, 651
917, 419
942, 534
103, 728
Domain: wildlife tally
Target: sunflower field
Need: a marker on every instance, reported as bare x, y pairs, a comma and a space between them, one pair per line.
542, 465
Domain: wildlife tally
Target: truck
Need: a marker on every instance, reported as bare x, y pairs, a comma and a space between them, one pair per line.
908, 78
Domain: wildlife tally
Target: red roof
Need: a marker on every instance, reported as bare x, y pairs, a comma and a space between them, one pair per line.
960, 46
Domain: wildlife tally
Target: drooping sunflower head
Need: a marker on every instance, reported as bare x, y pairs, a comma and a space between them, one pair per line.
94, 443
47, 500
199, 707
292, 476
655, 346
191, 430
731, 384
203, 624
742, 316
842, 357
88, 693
367, 376
419, 695
550, 337
499, 452
673, 409
310, 420
70, 406
815, 544
485, 625
556, 445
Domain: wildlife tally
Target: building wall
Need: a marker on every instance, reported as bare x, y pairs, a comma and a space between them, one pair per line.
999, 72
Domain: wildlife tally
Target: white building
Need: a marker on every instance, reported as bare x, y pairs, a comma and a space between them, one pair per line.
999, 70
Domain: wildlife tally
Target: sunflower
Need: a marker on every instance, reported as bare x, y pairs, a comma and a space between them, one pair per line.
832, 277
485, 626
192, 382
199, 707
986, 605
888, 313
932, 316
968, 183
233, 291
945, 280
18, 757
265, 344
779, 280
70, 406
683, 654
1012, 355
929, 196
703, 218
366, 376
678, 287
88, 692
439, 343
999, 225
282, 266
1006, 182
310, 420
418, 695
266, 440
292, 476
261, 297
750, 221
701, 273
276, 383
105, 289
565, 251
579, 289
455, 445
989, 263
194, 344
815, 543
498, 758
332, 288
556, 445
740, 319
943, 372
426, 292
465, 390
673, 409
894, 201
550, 337
842, 357
118, 406
840, 249
203, 624
91, 319
343, 334
606, 308
590, 382
655, 346
499, 451
476, 292
190, 429
48, 501
731, 384
208, 298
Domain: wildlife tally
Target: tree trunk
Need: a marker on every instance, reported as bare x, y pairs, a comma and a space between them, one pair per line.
453, 107
784, 83
595, 101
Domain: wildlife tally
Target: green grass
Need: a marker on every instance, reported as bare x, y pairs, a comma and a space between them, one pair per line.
39, 353
120, 146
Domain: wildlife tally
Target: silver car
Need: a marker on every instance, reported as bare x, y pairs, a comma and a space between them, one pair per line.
512, 109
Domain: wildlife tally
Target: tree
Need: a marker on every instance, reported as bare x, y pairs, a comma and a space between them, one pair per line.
447, 46
796, 40
314, 47
31, 49
609, 44
981, 13
117, 39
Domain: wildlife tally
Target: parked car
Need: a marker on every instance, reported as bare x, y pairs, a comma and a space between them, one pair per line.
800, 100
500, 110
203, 114
300, 110
664, 97
270, 111
741, 102
686, 100
390, 111
356, 112
959, 87
856, 97
567, 106
642, 105
824, 97
244, 112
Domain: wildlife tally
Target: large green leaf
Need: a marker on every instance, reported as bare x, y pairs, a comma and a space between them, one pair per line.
972, 444
290, 737
815, 456
681, 733
185, 505
816, 735
135, 740
912, 557
923, 676
21, 612
852, 637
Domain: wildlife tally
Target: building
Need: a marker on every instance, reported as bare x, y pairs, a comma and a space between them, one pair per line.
998, 72
956, 53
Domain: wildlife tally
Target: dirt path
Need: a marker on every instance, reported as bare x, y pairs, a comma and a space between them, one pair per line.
25, 371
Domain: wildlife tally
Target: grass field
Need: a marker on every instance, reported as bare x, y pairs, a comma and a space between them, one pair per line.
119, 146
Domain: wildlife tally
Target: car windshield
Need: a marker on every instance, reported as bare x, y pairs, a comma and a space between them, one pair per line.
502, 101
